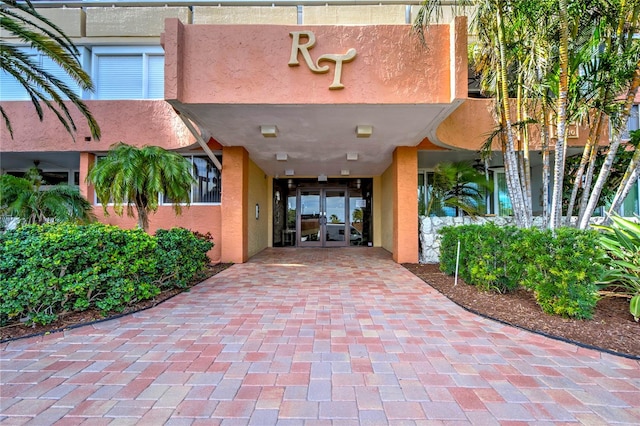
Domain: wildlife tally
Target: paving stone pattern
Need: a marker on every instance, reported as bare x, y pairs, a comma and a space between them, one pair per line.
311, 337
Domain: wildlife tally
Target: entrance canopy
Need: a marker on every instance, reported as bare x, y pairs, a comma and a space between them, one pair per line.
316, 100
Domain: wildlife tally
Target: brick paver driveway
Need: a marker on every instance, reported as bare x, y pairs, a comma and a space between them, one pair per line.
341, 336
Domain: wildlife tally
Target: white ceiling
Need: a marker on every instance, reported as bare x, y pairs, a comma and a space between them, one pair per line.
317, 138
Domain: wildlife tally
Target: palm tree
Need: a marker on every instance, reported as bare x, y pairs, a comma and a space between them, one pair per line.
134, 177
24, 198
460, 186
22, 21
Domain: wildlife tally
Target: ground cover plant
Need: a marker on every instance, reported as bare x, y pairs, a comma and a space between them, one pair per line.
54, 269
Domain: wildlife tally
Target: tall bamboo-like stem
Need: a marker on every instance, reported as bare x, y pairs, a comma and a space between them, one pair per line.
613, 150
511, 162
594, 137
563, 89
546, 174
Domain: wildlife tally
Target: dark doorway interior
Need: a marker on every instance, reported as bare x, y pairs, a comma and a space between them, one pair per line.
299, 220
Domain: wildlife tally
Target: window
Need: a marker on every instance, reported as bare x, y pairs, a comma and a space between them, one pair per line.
633, 123
501, 197
12, 90
631, 204
208, 186
128, 72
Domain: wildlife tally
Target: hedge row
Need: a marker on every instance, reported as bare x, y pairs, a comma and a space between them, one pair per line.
47, 270
562, 268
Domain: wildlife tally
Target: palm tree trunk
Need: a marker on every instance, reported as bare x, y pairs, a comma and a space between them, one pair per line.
594, 138
613, 150
545, 166
628, 181
511, 161
563, 88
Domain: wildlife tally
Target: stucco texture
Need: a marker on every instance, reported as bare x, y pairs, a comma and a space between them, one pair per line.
136, 122
257, 229
390, 67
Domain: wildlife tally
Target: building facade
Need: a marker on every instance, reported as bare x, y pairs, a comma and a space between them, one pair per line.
308, 125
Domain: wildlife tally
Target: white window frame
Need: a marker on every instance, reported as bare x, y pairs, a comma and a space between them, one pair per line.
144, 51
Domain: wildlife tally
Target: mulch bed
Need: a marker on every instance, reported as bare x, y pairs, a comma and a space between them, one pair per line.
612, 327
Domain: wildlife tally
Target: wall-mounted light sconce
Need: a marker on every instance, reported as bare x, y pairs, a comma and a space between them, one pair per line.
282, 156
290, 184
364, 130
277, 196
322, 178
269, 130
358, 183
257, 211
289, 172
344, 172
352, 156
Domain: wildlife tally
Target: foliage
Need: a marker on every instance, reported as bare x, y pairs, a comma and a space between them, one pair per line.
133, 177
20, 20
457, 185
48, 270
25, 199
621, 241
546, 65
572, 164
563, 271
182, 254
562, 268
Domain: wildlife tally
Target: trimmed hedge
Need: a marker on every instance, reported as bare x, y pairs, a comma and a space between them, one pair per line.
562, 268
46, 270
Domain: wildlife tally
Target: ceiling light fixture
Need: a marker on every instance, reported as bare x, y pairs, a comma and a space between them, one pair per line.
268, 130
289, 172
282, 156
322, 178
364, 130
352, 156
344, 172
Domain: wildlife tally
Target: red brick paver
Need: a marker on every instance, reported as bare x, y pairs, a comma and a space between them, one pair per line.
313, 337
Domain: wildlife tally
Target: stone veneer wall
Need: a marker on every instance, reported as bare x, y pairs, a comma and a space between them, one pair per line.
430, 238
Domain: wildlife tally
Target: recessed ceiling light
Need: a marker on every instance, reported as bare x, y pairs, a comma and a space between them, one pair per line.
282, 156
322, 178
289, 172
268, 130
364, 130
344, 172
352, 156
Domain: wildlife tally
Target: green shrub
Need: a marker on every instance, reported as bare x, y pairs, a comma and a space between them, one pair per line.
181, 255
46, 270
485, 251
621, 241
562, 270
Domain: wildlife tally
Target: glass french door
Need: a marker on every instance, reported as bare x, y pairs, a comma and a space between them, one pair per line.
322, 219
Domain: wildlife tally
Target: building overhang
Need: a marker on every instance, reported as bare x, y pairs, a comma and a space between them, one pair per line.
295, 96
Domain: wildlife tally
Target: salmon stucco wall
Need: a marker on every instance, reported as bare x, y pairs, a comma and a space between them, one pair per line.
199, 218
405, 205
387, 190
258, 232
391, 66
136, 122
235, 183
479, 114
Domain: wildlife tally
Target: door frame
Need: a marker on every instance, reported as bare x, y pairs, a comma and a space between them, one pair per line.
322, 241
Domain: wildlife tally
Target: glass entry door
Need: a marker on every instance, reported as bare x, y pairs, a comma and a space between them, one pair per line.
322, 219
